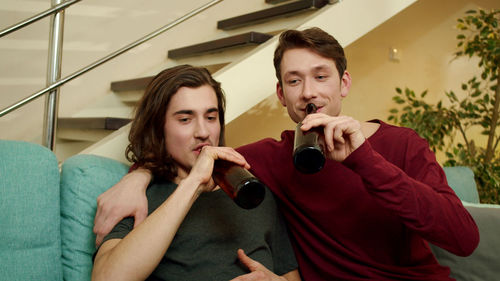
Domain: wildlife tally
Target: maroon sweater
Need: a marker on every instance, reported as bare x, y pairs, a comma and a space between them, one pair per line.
370, 216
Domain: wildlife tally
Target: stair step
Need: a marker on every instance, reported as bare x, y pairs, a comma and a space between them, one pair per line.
139, 84
275, 1
219, 44
82, 135
92, 123
270, 13
131, 84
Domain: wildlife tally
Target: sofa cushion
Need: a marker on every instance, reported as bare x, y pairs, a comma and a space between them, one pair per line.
461, 180
83, 179
484, 261
30, 246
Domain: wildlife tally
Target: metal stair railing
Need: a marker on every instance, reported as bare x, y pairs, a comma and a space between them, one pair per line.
54, 63
37, 17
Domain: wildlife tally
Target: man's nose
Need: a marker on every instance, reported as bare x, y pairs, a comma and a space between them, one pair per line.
308, 90
201, 130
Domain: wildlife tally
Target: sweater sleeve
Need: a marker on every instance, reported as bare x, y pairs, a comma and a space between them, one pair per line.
417, 191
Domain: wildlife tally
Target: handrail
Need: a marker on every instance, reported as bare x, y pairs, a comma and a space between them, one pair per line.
54, 63
37, 17
106, 58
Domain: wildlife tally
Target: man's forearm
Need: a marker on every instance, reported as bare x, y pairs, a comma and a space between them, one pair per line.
141, 177
138, 254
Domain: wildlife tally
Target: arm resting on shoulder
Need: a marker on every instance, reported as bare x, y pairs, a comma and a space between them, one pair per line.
127, 198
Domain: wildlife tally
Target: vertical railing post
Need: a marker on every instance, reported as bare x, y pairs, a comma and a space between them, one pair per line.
53, 74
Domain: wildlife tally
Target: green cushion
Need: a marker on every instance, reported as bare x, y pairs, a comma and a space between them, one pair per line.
461, 180
83, 179
484, 262
30, 246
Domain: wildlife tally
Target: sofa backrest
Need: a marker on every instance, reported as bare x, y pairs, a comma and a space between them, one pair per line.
30, 245
484, 261
83, 179
461, 180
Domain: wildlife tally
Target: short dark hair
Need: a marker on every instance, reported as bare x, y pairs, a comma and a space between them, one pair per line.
314, 39
147, 140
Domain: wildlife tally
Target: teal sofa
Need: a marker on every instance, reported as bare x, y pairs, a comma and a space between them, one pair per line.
47, 213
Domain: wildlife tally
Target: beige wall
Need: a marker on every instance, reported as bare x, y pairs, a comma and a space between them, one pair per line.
92, 30
424, 33
245, 87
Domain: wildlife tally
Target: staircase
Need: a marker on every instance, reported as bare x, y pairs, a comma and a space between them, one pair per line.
244, 49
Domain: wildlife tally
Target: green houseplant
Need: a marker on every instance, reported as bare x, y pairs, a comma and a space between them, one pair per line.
448, 128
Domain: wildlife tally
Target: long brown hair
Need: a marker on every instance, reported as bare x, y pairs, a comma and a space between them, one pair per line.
314, 39
147, 140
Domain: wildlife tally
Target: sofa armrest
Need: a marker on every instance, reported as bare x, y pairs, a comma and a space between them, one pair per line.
484, 261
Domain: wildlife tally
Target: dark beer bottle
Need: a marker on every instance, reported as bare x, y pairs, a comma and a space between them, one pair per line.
308, 156
243, 187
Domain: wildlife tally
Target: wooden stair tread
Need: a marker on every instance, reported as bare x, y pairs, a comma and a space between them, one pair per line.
270, 13
137, 84
104, 123
131, 84
275, 1
219, 44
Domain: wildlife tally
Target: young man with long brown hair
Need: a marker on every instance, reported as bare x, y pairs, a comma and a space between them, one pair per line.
194, 230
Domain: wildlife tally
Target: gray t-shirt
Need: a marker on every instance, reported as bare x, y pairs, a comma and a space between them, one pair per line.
205, 246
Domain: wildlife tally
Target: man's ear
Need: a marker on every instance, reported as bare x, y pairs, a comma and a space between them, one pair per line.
280, 94
345, 84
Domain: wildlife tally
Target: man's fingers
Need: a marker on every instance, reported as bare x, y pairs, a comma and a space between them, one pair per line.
97, 228
248, 262
226, 153
230, 154
104, 222
100, 231
328, 138
338, 133
314, 120
251, 264
98, 240
139, 217
103, 228
104, 225
258, 271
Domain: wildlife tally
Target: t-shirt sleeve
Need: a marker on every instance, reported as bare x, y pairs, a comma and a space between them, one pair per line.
118, 232
121, 229
156, 195
283, 255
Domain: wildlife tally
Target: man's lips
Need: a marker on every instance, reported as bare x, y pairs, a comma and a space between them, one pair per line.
318, 109
198, 148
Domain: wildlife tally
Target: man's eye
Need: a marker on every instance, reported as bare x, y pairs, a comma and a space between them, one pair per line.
293, 81
184, 120
321, 77
212, 118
